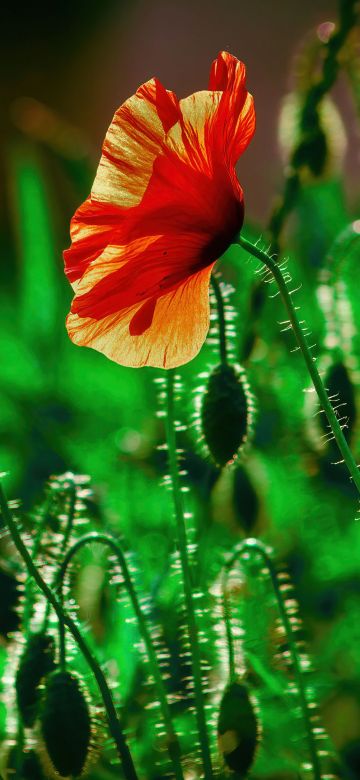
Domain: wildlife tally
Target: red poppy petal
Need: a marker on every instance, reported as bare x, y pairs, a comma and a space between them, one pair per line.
164, 101
185, 221
143, 318
92, 227
227, 73
165, 204
237, 106
125, 276
174, 336
242, 128
191, 137
133, 141
193, 179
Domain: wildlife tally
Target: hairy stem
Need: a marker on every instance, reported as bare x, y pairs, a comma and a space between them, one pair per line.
113, 720
90, 538
29, 594
64, 543
308, 358
226, 610
251, 545
310, 119
302, 155
188, 593
221, 318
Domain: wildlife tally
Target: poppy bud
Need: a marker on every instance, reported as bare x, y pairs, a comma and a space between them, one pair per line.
9, 589
238, 732
65, 723
320, 145
226, 413
37, 660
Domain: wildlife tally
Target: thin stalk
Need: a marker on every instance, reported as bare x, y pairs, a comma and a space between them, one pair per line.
29, 596
113, 720
70, 518
62, 642
308, 358
251, 545
188, 593
64, 543
310, 120
90, 538
19, 747
221, 319
227, 620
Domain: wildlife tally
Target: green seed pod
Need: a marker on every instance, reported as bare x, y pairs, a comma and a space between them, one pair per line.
65, 723
37, 660
226, 413
318, 147
10, 593
238, 732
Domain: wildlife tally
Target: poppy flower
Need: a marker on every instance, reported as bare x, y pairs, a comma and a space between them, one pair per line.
164, 206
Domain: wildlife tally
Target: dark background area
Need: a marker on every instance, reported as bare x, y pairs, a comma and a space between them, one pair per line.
82, 59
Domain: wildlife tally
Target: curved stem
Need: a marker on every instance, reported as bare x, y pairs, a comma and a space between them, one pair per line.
221, 318
251, 545
90, 538
308, 358
189, 604
113, 720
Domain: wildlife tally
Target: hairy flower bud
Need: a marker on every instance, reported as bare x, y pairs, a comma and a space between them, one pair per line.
226, 413
9, 589
238, 732
37, 660
65, 723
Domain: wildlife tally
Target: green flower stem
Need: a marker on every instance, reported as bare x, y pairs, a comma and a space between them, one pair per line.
251, 545
19, 747
226, 610
310, 119
90, 538
70, 518
113, 720
221, 318
29, 595
308, 358
62, 642
303, 154
64, 543
185, 565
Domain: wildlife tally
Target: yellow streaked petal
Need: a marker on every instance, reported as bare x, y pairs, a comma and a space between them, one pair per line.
132, 142
175, 336
189, 138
